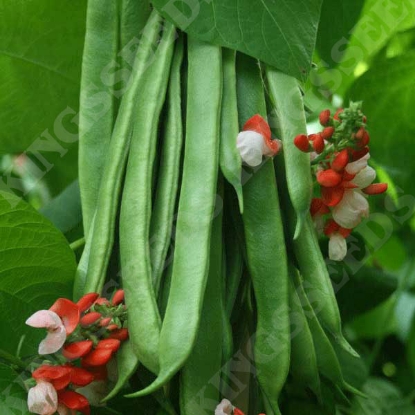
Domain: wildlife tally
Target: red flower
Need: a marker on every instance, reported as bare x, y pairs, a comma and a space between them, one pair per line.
68, 311
74, 401
97, 357
76, 350
118, 297
90, 318
58, 376
86, 302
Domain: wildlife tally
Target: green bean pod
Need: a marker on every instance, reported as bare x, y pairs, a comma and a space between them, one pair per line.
91, 277
198, 394
327, 361
318, 284
229, 158
265, 246
169, 172
134, 15
286, 97
143, 314
303, 355
97, 106
196, 207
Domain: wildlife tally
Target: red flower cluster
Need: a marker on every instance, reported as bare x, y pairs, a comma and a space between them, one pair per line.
90, 331
339, 154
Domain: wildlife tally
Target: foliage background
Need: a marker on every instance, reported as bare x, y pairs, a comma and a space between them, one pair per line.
365, 50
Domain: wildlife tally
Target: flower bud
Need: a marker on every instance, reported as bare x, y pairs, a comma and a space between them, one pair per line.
110, 344
318, 143
90, 318
375, 188
327, 133
85, 303
105, 321
302, 143
76, 350
118, 297
120, 334
97, 357
340, 161
329, 178
324, 117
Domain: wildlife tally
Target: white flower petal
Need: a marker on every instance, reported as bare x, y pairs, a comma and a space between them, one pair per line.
250, 145
44, 319
365, 177
355, 166
53, 341
349, 212
224, 408
337, 247
42, 399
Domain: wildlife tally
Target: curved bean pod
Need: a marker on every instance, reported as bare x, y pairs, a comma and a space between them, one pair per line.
102, 233
286, 97
205, 361
136, 208
97, 106
169, 172
327, 361
229, 157
313, 267
196, 206
265, 246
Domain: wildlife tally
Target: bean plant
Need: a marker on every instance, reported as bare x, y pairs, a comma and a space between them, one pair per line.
206, 238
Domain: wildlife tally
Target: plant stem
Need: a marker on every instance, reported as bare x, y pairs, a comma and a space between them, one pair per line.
12, 359
77, 244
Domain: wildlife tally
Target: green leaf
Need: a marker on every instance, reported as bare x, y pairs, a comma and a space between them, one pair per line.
388, 94
281, 33
365, 289
383, 398
40, 56
13, 396
336, 24
37, 266
64, 211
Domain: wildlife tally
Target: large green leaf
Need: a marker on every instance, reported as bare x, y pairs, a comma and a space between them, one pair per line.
281, 33
36, 267
40, 56
336, 23
365, 289
388, 94
13, 396
383, 398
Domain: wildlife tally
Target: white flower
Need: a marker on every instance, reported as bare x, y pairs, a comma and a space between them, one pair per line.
358, 165
56, 330
337, 247
252, 147
42, 399
224, 408
354, 205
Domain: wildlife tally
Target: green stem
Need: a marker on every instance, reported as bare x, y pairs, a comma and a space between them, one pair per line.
77, 244
12, 359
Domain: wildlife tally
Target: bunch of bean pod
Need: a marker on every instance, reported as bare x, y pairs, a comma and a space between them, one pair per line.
227, 291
